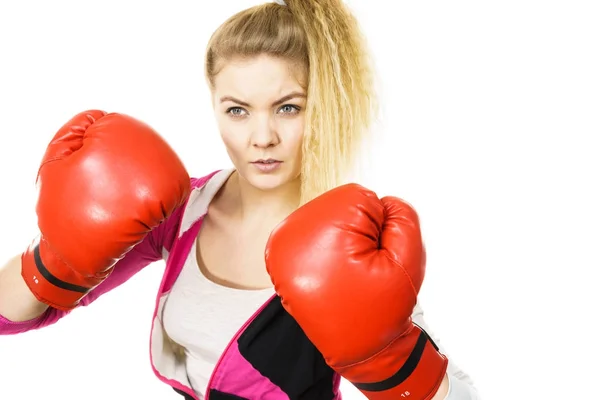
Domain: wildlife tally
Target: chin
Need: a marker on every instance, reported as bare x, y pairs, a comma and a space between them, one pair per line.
268, 181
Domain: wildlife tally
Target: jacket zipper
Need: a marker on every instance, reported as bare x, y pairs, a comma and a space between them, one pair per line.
235, 337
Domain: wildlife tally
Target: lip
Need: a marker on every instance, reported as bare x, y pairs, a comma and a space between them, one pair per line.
266, 161
267, 165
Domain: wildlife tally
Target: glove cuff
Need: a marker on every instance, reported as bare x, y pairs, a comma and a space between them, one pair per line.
51, 280
413, 365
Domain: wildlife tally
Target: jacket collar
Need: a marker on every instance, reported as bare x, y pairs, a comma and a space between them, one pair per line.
201, 197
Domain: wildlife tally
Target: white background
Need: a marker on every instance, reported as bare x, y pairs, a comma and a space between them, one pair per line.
490, 130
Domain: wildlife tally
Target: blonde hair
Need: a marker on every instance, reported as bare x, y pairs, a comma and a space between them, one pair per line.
324, 37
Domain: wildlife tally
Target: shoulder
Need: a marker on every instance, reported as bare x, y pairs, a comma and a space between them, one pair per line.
203, 184
203, 189
199, 182
163, 237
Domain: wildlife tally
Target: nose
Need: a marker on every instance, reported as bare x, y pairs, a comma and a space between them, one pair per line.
264, 134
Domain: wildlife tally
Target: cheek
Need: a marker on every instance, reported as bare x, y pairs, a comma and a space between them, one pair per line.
294, 133
232, 138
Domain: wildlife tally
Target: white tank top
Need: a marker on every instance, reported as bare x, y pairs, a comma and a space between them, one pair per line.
202, 317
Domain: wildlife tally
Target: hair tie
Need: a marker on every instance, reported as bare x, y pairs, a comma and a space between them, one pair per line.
280, 2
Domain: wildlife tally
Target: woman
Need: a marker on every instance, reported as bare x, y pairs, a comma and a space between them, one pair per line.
292, 92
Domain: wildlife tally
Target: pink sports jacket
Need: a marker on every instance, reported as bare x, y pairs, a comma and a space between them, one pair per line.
269, 358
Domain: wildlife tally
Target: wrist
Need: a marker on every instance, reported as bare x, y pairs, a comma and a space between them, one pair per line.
49, 279
17, 302
443, 390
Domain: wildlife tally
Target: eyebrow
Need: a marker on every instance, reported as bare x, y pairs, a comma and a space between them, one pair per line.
281, 100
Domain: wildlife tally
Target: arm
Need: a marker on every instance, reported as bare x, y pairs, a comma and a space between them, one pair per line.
17, 303
419, 319
20, 311
98, 226
457, 384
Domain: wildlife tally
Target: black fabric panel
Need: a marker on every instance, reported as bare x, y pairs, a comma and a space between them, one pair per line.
277, 347
184, 394
217, 395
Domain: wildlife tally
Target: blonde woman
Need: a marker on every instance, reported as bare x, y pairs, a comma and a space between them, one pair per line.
292, 91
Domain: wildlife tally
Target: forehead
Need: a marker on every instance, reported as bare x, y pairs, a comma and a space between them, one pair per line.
260, 78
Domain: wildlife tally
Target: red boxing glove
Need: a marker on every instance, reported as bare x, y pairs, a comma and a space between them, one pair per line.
106, 180
348, 267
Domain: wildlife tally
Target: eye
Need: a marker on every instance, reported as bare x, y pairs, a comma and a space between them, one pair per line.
289, 109
236, 112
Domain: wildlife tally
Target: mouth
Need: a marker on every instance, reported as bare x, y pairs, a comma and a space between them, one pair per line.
266, 162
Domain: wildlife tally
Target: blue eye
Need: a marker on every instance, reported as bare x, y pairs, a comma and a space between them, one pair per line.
289, 108
235, 111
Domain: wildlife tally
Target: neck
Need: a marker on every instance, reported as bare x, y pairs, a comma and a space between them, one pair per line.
264, 205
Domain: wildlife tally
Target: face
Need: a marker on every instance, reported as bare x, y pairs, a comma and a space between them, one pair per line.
259, 105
